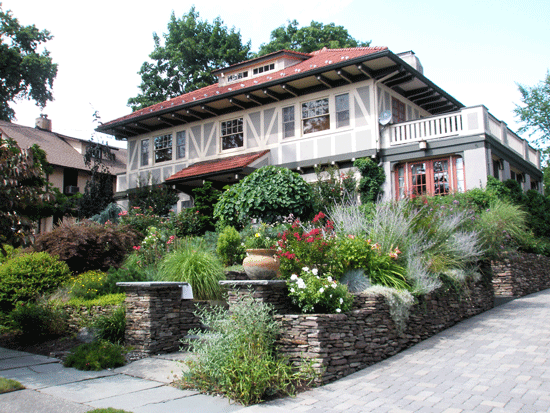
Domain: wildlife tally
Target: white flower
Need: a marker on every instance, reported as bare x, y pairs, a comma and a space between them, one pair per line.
341, 300
338, 310
318, 277
301, 283
292, 290
329, 278
305, 269
293, 277
333, 285
314, 271
321, 290
331, 296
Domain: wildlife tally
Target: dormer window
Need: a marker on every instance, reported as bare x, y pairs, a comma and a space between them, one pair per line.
236, 76
262, 69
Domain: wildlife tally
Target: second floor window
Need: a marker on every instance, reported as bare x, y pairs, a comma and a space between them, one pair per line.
288, 122
342, 110
315, 116
180, 144
163, 148
144, 152
232, 134
398, 111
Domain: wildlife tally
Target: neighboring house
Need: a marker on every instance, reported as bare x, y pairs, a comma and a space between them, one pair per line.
65, 154
328, 107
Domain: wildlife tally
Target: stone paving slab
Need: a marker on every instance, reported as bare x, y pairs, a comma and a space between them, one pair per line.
6, 353
153, 368
25, 360
199, 403
131, 401
30, 401
100, 388
48, 375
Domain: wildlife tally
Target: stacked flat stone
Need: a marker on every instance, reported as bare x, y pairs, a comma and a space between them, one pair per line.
518, 275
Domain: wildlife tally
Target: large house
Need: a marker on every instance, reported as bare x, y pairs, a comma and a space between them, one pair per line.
329, 107
65, 155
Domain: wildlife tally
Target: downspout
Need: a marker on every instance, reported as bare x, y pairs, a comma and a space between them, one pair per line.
376, 103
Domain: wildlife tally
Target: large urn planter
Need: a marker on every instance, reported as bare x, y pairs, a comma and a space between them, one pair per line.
261, 264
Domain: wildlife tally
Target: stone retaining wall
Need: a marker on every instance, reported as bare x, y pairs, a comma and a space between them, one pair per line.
341, 344
157, 317
272, 292
84, 316
521, 274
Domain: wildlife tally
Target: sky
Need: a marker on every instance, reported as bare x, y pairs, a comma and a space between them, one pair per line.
476, 50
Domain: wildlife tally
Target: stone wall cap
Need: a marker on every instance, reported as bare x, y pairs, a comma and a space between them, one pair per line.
253, 282
152, 284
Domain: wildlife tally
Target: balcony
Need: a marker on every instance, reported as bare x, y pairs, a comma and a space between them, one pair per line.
469, 121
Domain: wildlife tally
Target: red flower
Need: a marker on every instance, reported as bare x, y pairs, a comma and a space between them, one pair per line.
137, 247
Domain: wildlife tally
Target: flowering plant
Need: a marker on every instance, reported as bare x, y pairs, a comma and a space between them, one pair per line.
315, 293
382, 268
260, 238
154, 246
307, 245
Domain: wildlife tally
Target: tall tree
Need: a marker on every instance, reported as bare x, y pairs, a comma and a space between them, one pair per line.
25, 73
21, 190
310, 38
184, 61
534, 112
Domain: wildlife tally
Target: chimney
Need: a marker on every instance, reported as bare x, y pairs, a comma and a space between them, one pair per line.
43, 123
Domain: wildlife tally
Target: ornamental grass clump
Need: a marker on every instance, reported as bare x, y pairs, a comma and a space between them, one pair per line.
236, 357
191, 262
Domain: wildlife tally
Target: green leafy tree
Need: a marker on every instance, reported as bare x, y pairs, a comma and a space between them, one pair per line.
98, 192
309, 38
184, 61
158, 198
21, 188
534, 112
25, 72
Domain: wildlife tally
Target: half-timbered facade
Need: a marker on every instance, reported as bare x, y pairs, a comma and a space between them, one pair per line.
327, 107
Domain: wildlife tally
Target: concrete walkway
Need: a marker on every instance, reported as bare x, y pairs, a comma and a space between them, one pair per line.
498, 361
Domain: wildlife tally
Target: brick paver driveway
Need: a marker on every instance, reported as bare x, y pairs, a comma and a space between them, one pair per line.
498, 361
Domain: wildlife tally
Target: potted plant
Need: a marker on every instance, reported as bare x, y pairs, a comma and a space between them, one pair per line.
261, 262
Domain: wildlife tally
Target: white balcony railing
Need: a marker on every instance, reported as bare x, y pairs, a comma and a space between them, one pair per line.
466, 122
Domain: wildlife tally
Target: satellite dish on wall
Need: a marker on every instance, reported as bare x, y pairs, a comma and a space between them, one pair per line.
385, 117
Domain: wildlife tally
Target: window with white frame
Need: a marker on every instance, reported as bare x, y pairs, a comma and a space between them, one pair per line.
232, 134
163, 148
262, 69
180, 144
237, 76
315, 116
144, 152
288, 122
342, 110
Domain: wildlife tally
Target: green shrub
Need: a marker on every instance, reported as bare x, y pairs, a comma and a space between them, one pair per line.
138, 220
316, 293
360, 253
27, 277
111, 327
8, 250
38, 320
103, 301
230, 247
372, 179
88, 285
237, 357
191, 263
88, 246
97, 355
333, 188
267, 193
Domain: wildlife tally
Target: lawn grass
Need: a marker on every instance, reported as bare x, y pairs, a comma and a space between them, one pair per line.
7, 385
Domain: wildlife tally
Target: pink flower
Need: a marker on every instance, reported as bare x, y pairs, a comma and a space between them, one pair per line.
137, 247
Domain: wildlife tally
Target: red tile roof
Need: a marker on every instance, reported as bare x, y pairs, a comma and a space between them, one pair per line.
320, 58
218, 165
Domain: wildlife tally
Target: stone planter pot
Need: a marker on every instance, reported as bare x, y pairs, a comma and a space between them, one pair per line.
261, 264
